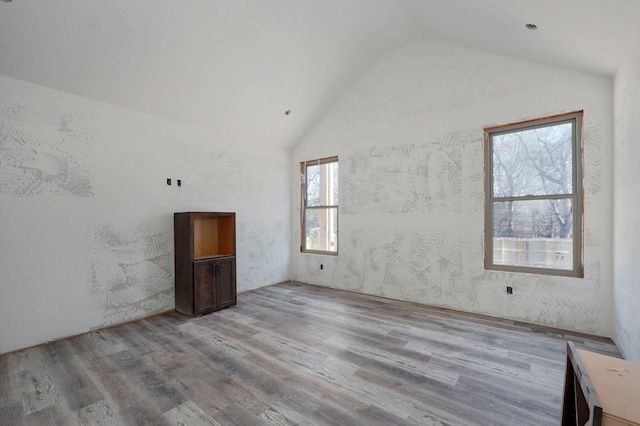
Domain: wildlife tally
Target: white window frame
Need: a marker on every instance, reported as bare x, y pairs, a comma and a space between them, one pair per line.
304, 207
577, 195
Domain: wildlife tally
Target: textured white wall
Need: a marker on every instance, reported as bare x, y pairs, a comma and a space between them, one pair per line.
626, 207
86, 217
409, 136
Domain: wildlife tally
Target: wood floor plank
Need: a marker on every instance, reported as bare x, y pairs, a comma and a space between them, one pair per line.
37, 389
143, 413
102, 341
237, 414
96, 414
114, 386
279, 414
12, 413
54, 415
188, 413
73, 385
375, 415
296, 354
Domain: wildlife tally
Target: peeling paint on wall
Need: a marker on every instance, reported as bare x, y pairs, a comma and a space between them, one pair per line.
44, 153
132, 273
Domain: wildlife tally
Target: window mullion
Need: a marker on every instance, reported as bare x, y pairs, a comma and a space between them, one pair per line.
534, 197
333, 206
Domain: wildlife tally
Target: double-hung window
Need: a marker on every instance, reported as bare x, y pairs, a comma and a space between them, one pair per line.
534, 201
319, 219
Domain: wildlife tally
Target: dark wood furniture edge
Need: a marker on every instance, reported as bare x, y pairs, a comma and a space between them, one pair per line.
576, 377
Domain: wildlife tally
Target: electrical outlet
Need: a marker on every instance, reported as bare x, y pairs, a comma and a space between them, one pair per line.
169, 181
509, 290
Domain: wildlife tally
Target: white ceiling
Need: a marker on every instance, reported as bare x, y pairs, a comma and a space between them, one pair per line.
235, 66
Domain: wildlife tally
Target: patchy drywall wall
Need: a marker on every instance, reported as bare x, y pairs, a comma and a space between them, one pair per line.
132, 272
86, 216
260, 253
409, 178
33, 163
626, 205
409, 136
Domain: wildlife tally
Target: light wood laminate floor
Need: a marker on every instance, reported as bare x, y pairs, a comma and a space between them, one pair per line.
295, 354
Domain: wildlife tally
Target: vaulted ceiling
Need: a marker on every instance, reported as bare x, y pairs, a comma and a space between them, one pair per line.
235, 66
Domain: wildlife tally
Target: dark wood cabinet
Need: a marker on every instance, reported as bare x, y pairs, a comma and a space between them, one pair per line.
214, 284
205, 261
600, 390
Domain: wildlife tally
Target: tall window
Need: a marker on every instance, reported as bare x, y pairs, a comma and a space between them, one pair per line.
319, 206
533, 218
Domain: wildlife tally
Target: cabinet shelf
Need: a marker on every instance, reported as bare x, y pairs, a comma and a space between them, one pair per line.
205, 261
213, 236
219, 256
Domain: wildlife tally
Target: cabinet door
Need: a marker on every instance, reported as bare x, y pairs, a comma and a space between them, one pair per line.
225, 271
204, 298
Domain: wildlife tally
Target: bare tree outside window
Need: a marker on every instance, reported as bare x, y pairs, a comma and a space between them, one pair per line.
534, 196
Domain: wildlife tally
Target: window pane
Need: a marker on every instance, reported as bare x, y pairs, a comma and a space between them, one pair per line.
322, 184
321, 229
533, 162
533, 233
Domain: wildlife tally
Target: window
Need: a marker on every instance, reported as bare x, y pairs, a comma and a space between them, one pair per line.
533, 217
319, 206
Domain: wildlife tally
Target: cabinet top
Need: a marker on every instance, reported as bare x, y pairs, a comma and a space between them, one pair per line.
616, 382
206, 213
